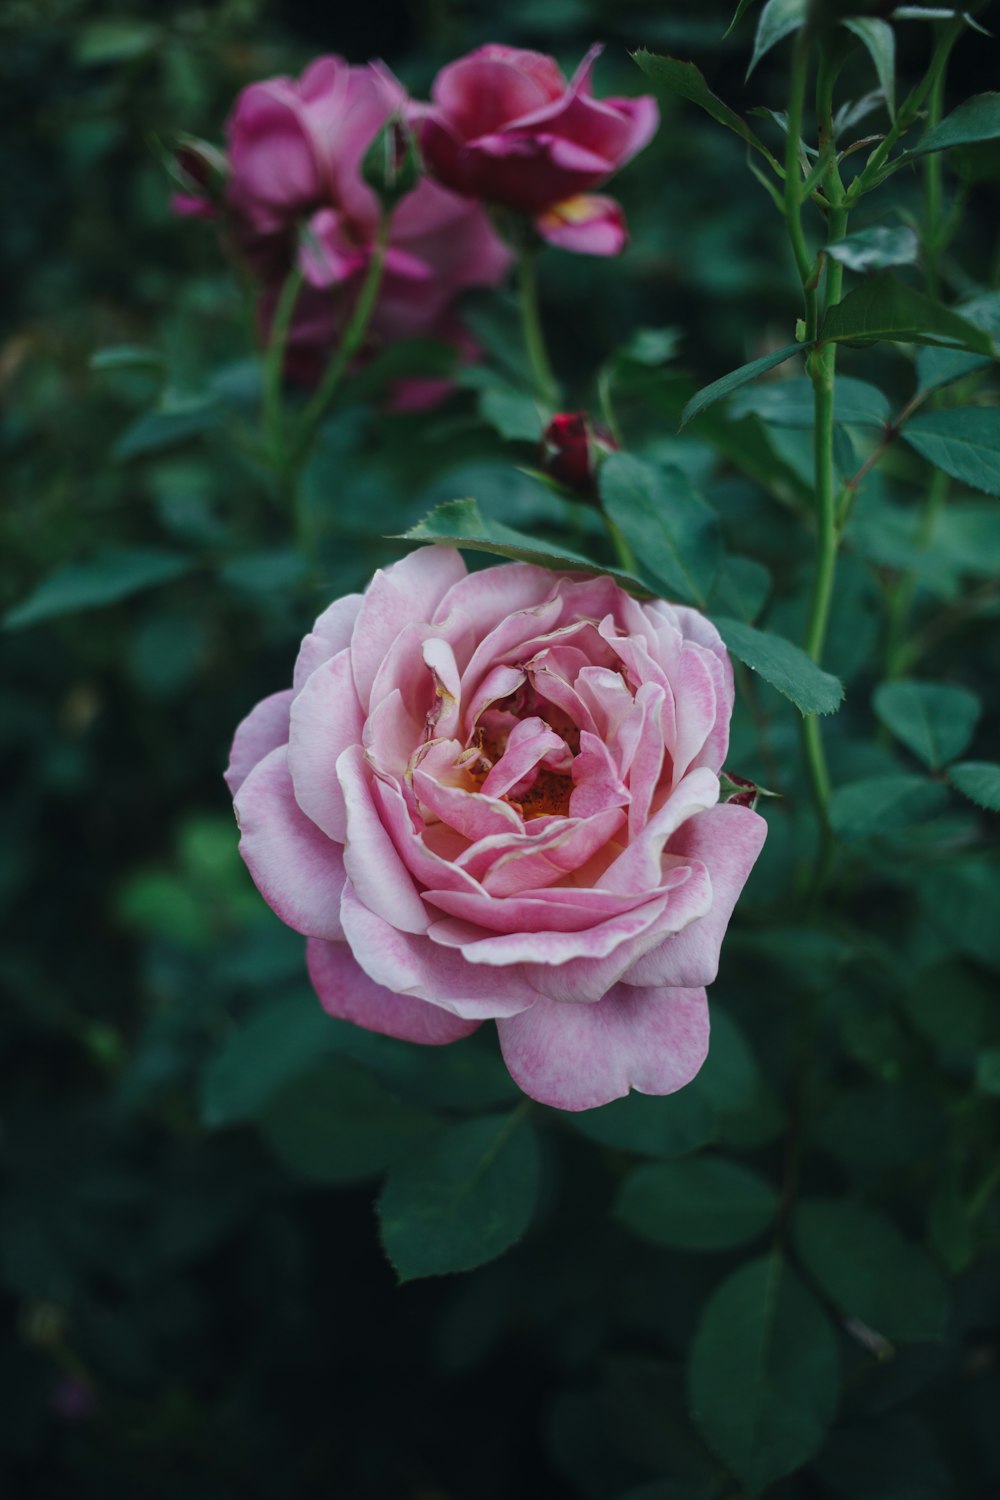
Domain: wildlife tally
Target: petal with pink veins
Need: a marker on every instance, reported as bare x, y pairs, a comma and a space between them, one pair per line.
296, 868
331, 633
581, 1056
412, 965
727, 840
373, 866
263, 730
345, 991
408, 592
325, 720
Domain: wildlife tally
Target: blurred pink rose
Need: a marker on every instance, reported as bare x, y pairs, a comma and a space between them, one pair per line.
295, 194
505, 127
494, 796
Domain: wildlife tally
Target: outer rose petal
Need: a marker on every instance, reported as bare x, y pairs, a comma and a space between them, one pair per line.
263, 730
727, 840
330, 634
413, 965
373, 866
345, 991
580, 1056
297, 870
587, 224
325, 720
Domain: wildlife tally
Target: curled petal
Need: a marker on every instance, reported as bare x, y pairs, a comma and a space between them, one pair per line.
406, 593
373, 866
728, 840
581, 1056
325, 720
345, 991
587, 224
263, 730
296, 868
411, 965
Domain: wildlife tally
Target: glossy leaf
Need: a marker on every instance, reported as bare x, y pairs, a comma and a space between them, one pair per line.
463, 1200
741, 11
763, 1377
934, 720
937, 367
876, 249
880, 41
886, 308
979, 780
726, 384
114, 574
789, 403
977, 119
778, 19
964, 441
704, 1203
784, 665
870, 1271
881, 804
685, 79
666, 523
460, 523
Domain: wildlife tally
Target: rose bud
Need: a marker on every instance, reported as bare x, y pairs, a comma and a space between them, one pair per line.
572, 450
391, 166
200, 170
496, 797
507, 128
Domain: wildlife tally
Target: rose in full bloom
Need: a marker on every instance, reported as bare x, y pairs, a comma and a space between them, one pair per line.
296, 194
506, 127
495, 796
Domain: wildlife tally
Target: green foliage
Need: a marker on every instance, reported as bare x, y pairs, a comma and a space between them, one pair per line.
735, 379
706, 1203
784, 665
933, 720
463, 1201
113, 575
666, 523
866, 1267
978, 780
964, 442
876, 250
778, 19
978, 119
886, 308
789, 403
879, 804
763, 1372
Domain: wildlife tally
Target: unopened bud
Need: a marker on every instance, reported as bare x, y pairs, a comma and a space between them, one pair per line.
573, 450
200, 171
392, 166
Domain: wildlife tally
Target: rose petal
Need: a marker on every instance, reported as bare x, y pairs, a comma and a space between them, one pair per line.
296, 868
345, 991
581, 1056
373, 866
330, 633
263, 730
412, 965
586, 224
408, 592
728, 840
325, 719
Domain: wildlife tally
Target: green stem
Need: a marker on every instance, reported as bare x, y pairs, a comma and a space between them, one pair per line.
793, 180
350, 344
274, 366
546, 389
933, 167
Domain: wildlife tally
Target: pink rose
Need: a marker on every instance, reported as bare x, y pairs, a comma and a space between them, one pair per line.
506, 127
295, 194
495, 796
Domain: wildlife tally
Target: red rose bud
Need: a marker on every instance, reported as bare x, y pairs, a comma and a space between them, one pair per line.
739, 791
572, 451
